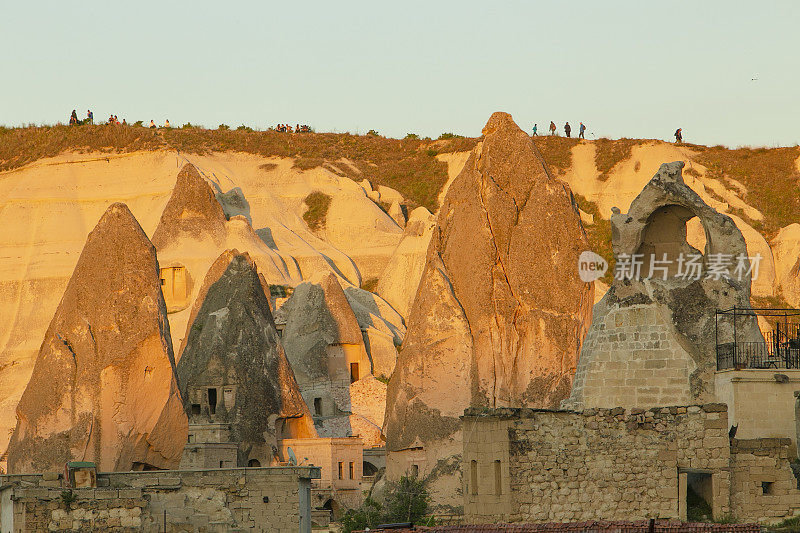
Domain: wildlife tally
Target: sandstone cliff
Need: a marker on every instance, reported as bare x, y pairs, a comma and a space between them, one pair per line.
233, 349
103, 386
500, 312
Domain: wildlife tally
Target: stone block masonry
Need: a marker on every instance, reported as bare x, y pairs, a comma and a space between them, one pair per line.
526, 465
275, 499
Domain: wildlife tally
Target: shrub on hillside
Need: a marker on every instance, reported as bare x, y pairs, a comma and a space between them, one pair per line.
373, 133
406, 501
223, 127
244, 128
412, 136
445, 136
318, 204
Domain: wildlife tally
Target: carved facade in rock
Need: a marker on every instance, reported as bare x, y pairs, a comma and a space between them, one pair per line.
653, 336
235, 380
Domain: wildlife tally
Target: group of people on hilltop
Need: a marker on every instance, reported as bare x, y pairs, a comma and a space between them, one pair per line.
582, 132
287, 128
567, 130
75, 121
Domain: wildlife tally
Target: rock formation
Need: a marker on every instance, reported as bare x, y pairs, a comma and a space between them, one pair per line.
325, 346
103, 387
500, 312
399, 280
653, 337
786, 248
192, 210
233, 370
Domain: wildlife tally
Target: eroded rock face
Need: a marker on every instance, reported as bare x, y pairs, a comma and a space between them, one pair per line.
233, 350
500, 312
103, 387
653, 338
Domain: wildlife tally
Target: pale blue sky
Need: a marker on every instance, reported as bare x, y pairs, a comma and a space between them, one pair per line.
633, 68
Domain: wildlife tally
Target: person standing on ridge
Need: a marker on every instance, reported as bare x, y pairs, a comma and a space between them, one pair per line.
534, 130
582, 131
89, 116
678, 136
152, 124
166, 124
552, 128
73, 118
567, 129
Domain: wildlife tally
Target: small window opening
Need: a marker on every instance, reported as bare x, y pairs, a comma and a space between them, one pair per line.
473, 477
353, 372
221, 463
254, 463
498, 478
163, 282
766, 487
341, 470
414, 470
318, 406
195, 408
212, 401
352, 471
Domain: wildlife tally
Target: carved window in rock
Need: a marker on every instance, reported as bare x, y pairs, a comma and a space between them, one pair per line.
318, 406
353, 372
212, 400
498, 478
174, 286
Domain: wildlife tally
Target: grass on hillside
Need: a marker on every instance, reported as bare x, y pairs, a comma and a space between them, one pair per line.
403, 164
407, 165
557, 151
318, 204
20, 146
608, 153
771, 178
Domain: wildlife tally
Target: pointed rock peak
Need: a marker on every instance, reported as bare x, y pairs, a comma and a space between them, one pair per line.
192, 209
107, 355
117, 223
233, 345
499, 121
215, 272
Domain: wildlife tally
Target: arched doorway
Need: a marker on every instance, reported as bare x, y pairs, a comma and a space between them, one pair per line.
254, 463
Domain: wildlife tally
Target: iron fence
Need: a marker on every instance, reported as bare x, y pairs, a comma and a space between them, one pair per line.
757, 338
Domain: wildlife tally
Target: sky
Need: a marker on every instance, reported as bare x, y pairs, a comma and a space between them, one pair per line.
625, 68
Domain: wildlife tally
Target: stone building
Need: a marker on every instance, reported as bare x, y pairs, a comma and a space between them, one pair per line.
340, 460
239, 391
616, 464
275, 499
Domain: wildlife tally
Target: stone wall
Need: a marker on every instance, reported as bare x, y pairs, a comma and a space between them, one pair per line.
759, 404
237, 499
616, 464
632, 356
763, 486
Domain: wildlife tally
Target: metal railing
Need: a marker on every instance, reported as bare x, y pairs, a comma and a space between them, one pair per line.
748, 347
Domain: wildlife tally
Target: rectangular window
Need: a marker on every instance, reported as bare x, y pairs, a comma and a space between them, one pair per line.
498, 478
212, 401
353, 372
414, 470
352, 471
473, 477
318, 406
341, 470
766, 487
